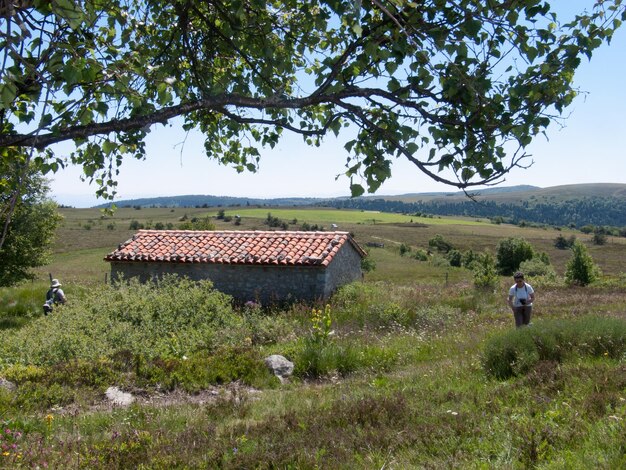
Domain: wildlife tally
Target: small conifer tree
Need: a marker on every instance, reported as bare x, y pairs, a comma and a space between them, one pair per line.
581, 270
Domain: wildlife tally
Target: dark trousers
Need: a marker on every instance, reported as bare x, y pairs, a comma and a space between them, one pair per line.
522, 315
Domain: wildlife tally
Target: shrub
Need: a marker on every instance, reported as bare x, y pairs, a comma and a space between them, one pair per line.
200, 371
420, 255
404, 249
511, 252
563, 243
599, 238
454, 258
581, 270
515, 352
469, 258
439, 261
485, 273
135, 225
173, 319
197, 224
440, 244
537, 267
368, 264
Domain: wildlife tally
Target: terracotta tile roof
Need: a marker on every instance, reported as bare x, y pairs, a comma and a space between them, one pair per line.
234, 247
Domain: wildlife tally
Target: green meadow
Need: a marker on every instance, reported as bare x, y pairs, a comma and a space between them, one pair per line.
414, 367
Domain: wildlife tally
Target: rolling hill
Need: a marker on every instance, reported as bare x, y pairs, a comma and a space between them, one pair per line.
602, 204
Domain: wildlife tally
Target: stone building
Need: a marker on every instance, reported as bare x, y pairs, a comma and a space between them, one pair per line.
260, 266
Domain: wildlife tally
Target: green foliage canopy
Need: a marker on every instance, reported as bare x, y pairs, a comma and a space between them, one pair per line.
28, 238
511, 252
459, 87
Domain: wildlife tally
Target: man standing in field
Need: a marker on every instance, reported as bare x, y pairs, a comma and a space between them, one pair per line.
55, 295
521, 298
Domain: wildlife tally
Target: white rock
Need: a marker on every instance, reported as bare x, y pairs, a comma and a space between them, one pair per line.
6, 384
279, 365
117, 397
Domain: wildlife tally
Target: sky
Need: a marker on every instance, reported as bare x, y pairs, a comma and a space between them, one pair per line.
588, 148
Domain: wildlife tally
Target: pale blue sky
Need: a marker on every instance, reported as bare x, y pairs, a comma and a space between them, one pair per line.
591, 148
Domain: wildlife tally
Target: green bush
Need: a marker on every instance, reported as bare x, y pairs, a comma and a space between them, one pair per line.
510, 253
420, 255
563, 243
440, 244
469, 258
485, 272
175, 318
515, 352
454, 258
537, 267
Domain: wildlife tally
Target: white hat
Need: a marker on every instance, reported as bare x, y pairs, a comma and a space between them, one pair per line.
55, 283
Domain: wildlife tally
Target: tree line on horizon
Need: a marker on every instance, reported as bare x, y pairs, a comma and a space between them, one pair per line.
575, 213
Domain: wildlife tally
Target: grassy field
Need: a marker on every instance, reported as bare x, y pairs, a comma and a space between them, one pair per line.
401, 381
89, 233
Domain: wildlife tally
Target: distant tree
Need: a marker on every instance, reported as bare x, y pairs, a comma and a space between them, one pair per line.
28, 238
563, 243
510, 253
273, 221
581, 270
599, 238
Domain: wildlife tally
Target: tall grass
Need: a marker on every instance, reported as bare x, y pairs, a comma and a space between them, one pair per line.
515, 352
18, 305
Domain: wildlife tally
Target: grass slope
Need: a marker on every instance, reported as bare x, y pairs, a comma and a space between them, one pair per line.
400, 383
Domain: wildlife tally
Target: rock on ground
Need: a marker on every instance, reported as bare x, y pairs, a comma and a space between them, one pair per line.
117, 397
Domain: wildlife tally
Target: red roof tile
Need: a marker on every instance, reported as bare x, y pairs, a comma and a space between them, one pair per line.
231, 247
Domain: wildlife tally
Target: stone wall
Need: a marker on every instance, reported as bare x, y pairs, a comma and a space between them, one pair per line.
344, 269
265, 284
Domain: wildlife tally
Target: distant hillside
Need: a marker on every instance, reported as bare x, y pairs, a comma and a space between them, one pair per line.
576, 204
210, 201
